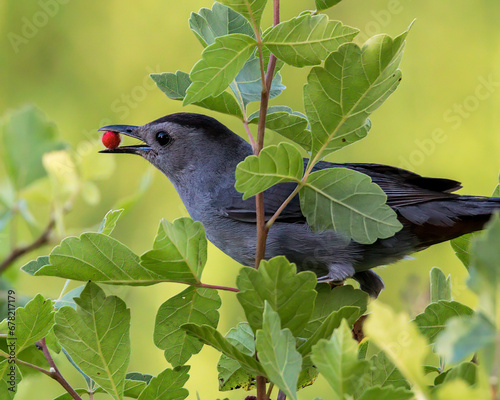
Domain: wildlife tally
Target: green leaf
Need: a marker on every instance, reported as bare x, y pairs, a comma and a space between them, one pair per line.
27, 136
386, 393
400, 339
135, 383
175, 87
496, 192
348, 202
440, 286
219, 21
63, 175
290, 294
80, 391
384, 373
337, 360
433, 320
461, 246
247, 86
329, 300
430, 369
192, 305
324, 4
308, 39
459, 390
33, 266
466, 372
277, 354
5, 219
68, 300
464, 336
72, 362
212, 337
179, 250
231, 374
274, 164
168, 385
354, 82
98, 258
97, 337
8, 386
363, 349
108, 224
327, 327
484, 279
251, 9
178, 255
218, 67
33, 322
288, 123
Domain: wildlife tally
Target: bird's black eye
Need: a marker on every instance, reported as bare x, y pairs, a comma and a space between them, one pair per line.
163, 138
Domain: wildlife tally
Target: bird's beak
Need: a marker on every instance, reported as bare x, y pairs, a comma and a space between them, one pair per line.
129, 130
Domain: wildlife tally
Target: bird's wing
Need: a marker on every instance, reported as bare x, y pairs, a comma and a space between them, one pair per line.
403, 188
244, 210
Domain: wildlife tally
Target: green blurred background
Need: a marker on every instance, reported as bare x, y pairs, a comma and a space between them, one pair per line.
87, 64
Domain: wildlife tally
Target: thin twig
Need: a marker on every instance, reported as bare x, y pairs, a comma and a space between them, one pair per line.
269, 391
21, 251
27, 364
247, 129
227, 288
52, 373
55, 373
282, 207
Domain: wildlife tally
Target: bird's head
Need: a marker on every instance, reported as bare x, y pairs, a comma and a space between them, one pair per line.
180, 143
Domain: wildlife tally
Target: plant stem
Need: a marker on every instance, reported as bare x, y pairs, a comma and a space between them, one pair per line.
227, 288
282, 207
55, 373
261, 388
269, 391
27, 364
300, 184
21, 251
247, 129
262, 230
52, 373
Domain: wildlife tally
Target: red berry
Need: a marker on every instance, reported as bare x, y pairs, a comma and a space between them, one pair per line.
111, 140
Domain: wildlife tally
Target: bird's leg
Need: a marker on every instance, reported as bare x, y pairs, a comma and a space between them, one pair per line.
337, 274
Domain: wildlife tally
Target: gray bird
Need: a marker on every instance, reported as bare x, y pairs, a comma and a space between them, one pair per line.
199, 155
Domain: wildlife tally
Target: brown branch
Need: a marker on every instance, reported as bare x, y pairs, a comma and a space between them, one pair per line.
27, 364
52, 373
262, 230
261, 388
55, 373
21, 251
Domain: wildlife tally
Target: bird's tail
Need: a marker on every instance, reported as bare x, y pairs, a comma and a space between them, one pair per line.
446, 220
